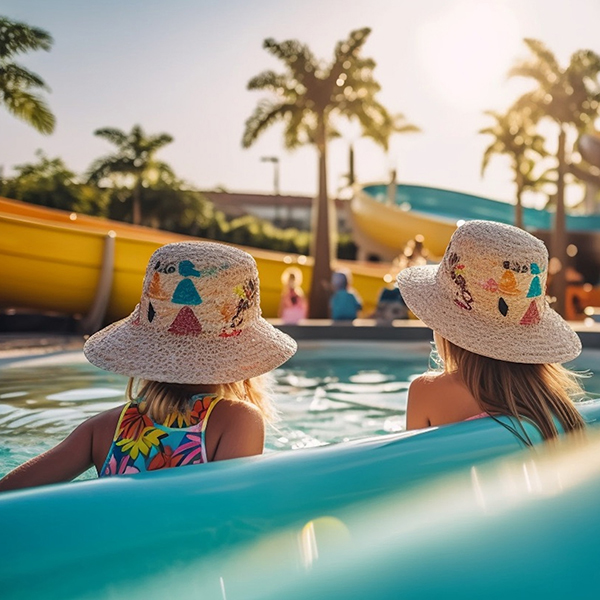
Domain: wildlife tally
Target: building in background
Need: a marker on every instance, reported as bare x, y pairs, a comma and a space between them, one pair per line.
283, 211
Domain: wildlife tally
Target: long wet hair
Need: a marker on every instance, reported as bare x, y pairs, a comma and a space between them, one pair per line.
538, 392
159, 400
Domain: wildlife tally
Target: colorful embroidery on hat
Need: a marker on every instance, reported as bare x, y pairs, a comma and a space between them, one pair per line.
532, 316
535, 269
490, 285
535, 289
213, 270
232, 333
503, 307
186, 269
186, 323
515, 266
247, 294
186, 293
136, 317
508, 284
463, 296
167, 269
151, 312
155, 290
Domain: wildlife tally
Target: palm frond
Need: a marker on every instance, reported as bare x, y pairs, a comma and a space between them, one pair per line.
265, 113
13, 75
107, 166
268, 80
16, 38
487, 155
346, 54
115, 136
543, 54
586, 63
300, 129
30, 108
158, 141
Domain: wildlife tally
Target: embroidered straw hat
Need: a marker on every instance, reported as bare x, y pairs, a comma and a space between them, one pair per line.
488, 296
198, 321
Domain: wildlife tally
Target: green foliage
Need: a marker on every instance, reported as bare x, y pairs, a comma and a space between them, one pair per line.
135, 156
48, 182
133, 165
171, 207
569, 95
310, 91
17, 84
307, 97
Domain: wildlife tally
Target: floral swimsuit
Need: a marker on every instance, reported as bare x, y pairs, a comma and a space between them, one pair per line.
141, 445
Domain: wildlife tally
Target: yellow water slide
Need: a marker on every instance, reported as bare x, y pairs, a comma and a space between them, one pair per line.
385, 228
52, 260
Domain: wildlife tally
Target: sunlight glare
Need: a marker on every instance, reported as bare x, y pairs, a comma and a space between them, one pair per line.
467, 50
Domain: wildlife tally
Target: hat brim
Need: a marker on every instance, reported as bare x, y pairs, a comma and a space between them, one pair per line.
549, 341
127, 349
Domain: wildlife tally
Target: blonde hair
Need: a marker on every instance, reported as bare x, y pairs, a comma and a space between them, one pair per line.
539, 392
294, 272
158, 400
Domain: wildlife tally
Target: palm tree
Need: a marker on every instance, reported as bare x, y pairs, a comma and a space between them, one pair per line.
133, 161
514, 135
16, 82
306, 97
570, 97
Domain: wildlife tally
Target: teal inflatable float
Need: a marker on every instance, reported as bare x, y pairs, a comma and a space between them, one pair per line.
219, 530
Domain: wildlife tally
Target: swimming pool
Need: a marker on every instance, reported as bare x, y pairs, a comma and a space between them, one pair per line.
329, 392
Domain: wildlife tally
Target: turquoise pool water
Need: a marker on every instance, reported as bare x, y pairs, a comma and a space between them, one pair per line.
327, 393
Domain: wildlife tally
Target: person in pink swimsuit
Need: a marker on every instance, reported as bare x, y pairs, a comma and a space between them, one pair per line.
293, 306
500, 344
196, 350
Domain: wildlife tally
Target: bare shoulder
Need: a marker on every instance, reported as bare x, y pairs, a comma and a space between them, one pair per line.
425, 395
235, 429
231, 412
429, 383
110, 416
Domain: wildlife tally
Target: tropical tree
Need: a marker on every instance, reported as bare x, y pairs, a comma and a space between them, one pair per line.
570, 97
49, 182
133, 165
18, 84
514, 134
307, 97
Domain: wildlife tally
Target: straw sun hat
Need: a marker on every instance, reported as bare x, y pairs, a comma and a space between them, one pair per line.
198, 321
488, 296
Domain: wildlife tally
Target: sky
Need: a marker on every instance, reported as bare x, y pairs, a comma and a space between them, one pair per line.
182, 68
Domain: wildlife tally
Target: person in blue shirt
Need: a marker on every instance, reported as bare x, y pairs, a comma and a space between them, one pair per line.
345, 302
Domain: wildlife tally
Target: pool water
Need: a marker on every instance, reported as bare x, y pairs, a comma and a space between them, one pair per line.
327, 393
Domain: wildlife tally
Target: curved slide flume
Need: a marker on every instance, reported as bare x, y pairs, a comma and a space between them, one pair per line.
387, 226
50, 260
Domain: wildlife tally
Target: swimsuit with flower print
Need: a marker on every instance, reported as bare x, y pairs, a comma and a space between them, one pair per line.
140, 444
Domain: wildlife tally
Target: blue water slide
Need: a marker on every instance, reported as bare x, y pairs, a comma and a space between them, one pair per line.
447, 204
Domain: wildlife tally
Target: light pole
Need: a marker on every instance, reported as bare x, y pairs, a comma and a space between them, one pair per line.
275, 161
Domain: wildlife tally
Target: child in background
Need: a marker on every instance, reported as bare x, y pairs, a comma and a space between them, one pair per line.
344, 303
293, 306
500, 342
196, 350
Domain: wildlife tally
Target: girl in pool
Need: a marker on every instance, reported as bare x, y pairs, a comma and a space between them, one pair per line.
500, 342
196, 350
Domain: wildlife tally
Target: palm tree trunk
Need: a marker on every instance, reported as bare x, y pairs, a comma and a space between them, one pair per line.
137, 203
519, 204
559, 234
322, 243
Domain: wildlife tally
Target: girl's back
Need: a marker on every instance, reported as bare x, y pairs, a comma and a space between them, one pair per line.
196, 349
